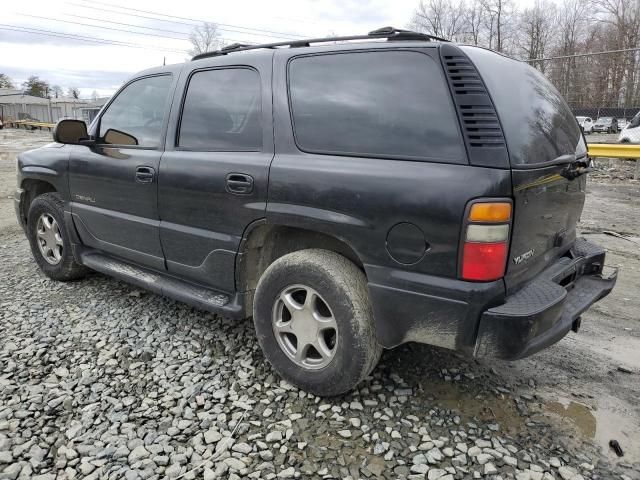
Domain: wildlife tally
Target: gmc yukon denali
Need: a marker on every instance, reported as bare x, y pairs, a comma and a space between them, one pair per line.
350, 194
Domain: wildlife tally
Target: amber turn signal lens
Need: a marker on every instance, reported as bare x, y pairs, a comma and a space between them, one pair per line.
490, 212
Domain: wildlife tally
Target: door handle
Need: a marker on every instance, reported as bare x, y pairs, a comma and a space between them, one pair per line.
145, 174
239, 183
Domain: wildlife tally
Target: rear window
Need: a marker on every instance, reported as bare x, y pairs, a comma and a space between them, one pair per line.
538, 124
392, 104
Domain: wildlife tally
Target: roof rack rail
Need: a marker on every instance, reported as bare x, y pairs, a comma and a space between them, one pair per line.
390, 33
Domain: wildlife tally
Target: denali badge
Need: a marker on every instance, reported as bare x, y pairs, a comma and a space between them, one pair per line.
523, 257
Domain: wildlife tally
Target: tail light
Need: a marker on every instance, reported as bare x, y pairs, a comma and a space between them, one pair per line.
486, 241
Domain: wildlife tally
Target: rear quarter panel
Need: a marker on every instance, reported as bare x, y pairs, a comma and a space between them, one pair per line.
358, 200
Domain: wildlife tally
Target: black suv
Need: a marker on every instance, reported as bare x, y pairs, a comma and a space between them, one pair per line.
349, 195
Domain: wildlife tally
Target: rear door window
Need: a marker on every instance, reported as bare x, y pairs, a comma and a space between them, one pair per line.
391, 104
222, 111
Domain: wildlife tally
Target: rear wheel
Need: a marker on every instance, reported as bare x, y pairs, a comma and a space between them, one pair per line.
50, 244
314, 321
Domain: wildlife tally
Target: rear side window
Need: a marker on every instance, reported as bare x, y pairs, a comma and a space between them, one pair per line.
374, 104
222, 111
538, 124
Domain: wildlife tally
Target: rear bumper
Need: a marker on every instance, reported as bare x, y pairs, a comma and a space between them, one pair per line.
546, 309
476, 319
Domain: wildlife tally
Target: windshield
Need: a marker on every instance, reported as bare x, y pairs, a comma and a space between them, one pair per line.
581, 119
604, 120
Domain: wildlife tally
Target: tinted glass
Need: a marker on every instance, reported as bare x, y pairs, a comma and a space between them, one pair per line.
635, 121
222, 111
137, 112
386, 104
538, 124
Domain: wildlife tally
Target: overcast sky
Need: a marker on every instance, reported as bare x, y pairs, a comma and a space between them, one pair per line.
71, 61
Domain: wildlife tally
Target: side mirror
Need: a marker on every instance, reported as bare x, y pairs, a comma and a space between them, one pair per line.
116, 137
70, 131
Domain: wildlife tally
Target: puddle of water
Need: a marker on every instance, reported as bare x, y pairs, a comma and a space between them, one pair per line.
486, 407
599, 426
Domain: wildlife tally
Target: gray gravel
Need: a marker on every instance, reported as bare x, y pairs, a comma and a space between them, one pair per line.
101, 380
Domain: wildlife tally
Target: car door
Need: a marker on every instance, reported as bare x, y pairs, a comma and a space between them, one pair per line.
113, 183
214, 172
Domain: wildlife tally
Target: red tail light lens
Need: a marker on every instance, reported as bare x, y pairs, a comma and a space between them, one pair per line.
484, 261
486, 241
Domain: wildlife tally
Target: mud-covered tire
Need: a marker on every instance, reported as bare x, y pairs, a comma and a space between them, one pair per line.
67, 268
343, 287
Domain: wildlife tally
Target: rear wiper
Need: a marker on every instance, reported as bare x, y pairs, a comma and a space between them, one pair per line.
576, 169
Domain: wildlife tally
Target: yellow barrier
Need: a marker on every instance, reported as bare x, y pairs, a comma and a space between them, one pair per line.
614, 150
617, 150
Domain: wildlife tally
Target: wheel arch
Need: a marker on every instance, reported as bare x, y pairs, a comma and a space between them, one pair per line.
33, 188
265, 243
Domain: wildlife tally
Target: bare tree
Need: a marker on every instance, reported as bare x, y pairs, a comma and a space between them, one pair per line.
622, 18
56, 90
473, 20
498, 18
74, 92
572, 20
205, 38
440, 18
537, 28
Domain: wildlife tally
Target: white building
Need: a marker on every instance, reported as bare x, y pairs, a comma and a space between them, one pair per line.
15, 105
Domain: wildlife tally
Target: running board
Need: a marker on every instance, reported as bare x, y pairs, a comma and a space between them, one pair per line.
165, 285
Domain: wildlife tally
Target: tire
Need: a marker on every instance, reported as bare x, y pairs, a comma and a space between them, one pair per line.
342, 295
60, 265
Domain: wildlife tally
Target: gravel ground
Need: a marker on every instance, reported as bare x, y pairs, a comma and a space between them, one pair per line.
101, 380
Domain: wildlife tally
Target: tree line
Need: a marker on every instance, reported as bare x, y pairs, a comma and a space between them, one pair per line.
40, 88
547, 29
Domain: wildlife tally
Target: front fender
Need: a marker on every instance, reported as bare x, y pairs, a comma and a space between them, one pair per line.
48, 164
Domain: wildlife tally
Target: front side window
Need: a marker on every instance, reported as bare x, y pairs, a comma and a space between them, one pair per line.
222, 111
136, 115
374, 104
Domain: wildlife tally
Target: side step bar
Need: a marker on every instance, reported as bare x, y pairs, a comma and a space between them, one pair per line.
165, 285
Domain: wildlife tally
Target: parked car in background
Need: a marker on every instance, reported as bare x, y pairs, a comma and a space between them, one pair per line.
236, 183
586, 124
606, 125
622, 124
631, 133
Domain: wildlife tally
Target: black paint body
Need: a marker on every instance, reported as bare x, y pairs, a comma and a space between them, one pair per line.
186, 232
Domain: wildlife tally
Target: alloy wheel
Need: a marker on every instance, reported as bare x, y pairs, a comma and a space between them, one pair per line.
304, 327
49, 238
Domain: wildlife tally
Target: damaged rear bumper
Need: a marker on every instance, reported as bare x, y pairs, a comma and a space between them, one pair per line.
546, 309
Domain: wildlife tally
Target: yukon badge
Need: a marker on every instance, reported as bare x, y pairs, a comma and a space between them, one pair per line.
524, 257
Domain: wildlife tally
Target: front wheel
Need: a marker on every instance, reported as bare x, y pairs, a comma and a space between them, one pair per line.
50, 245
314, 321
